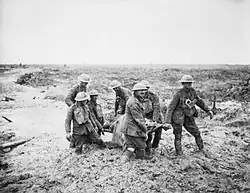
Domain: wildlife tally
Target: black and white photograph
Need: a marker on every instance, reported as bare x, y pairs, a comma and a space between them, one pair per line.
124, 96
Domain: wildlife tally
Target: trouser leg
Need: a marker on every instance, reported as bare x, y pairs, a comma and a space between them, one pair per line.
138, 144
192, 128
148, 143
79, 141
177, 144
157, 138
177, 140
72, 143
129, 148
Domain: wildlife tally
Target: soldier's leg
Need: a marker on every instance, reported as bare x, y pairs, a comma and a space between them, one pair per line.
140, 144
148, 143
157, 138
192, 128
177, 138
130, 148
94, 137
72, 143
79, 141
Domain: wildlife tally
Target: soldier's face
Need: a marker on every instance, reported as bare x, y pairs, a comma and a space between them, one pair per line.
94, 97
83, 84
187, 84
140, 93
116, 89
83, 102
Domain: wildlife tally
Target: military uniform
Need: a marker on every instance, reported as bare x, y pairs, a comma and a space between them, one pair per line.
96, 111
134, 128
70, 99
122, 96
181, 112
152, 111
83, 126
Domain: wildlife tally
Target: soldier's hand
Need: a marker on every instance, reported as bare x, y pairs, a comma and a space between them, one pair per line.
101, 131
167, 126
211, 114
68, 136
119, 111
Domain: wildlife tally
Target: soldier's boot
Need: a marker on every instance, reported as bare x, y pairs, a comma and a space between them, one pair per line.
140, 154
177, 144
78, 150
199, 143
72, 143
127, 156
101, 144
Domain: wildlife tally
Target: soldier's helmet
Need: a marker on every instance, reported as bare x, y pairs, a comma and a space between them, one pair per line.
146, 83
139, 86
84, 78
187, 78
81, 96
115, 84
93, 93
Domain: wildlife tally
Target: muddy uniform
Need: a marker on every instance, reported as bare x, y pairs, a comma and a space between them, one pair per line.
83, 126
134, 125
70, 99
122, 97
96, 111
181, 112
152, 110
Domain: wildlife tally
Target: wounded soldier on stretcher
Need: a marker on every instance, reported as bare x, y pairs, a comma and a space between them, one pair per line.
116, 127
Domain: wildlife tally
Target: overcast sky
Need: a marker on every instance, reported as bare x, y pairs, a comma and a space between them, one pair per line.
125, 31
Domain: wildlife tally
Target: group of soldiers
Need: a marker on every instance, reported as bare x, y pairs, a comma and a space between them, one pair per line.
136, 106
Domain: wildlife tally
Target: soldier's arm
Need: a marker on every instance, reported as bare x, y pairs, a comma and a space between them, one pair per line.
171, 107
91, 117
116, 104
95, 120
138, 117
200, 103
69, 118
69, 100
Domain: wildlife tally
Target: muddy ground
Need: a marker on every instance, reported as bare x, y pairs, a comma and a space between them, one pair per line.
47, 164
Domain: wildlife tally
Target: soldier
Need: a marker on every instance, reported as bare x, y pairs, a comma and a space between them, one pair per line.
122, 96
135, 129
96, 109
84, 127
153, 112
182, 112
83, 81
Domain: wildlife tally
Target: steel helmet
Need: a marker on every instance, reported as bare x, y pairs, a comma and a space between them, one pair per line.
82, 96
93, 92
146, 83
84, 78
114, 84
187, 78
139, 86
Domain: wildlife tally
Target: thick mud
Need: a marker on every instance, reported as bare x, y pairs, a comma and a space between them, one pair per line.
47, 164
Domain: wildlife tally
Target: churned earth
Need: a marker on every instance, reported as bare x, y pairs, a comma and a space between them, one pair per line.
45, 163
